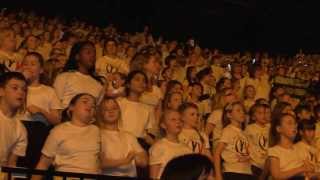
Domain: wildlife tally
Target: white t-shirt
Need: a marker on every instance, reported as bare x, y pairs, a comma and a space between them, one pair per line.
136, 117
308, 152
117, 145
192, 139
216, 119
153, 97
237, 145
106, 65
69, 84
164, 150
42, 96
74, 148
13, 138
258, 143
289, 158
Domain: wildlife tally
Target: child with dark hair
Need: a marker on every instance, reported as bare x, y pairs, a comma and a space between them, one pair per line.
74, 145
79, 74
303, 112
286, 161
188, 167
207, 80
13, 141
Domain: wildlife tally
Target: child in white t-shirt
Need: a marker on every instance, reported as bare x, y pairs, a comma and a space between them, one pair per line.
258, 135
138, 118
168, 147
214, 122
120, 150
41, 98
306, 144
285, 159
233, 146
79, 76
13, 135
190, 135
74, 146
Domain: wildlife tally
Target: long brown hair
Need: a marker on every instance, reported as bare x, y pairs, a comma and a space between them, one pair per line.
274, 136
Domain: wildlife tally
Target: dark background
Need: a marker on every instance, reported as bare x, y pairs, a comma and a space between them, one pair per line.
280, 26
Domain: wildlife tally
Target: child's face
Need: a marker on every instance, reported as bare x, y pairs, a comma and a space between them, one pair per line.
172, 123
308, 135
259, 115
84, 108
177, 89
14, 93
190, 117
196, 90
138, 83
111, 112
288, 127
305, 114
10, 40
237, 113
31, 67
175, 101
152, 66
267, 114
250, 92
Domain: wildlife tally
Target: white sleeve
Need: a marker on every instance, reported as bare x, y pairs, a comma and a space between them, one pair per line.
272, 152
134, 143
151, 119
59, 86
156, 154
226, 136
20, 146
213, 118
55, 103
51, 145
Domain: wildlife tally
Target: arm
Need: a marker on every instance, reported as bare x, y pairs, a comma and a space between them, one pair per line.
142, 159
217, 160
43, 164
12, 160
266, 170
113, 163
209, 128
154, 170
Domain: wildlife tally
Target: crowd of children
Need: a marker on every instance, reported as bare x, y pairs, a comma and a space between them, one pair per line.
86, 99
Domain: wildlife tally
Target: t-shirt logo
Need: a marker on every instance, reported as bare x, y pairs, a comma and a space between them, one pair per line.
111, 69
312, 157
263, 141
241, 146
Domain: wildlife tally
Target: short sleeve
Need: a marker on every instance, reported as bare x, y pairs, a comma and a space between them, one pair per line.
59, 85
51, 145
226, 136
134, 143
156, 154
214, 118
151, 118
272, 152
55, 102
22, 140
